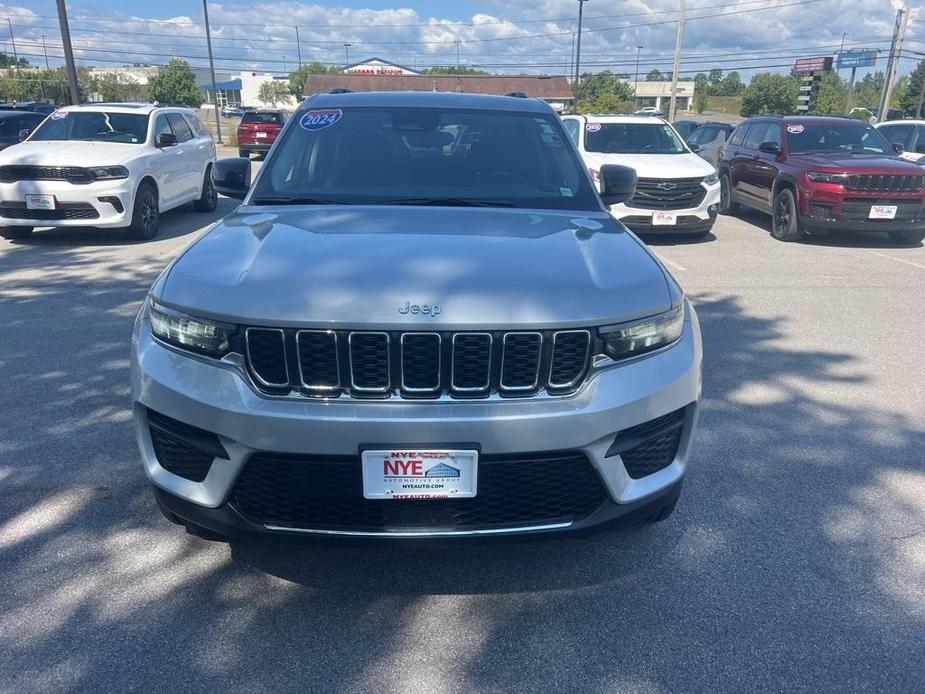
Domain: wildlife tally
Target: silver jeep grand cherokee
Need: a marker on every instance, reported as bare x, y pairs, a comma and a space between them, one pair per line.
421, 322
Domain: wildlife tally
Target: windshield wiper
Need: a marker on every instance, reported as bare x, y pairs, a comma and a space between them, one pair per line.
447, 202
294, 200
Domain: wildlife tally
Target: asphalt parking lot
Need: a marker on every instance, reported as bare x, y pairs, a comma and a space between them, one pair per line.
796, 559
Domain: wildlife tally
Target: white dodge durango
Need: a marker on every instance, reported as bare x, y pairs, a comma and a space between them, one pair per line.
106, 165
676, 191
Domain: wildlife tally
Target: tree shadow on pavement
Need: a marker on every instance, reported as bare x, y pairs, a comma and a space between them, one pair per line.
794, 559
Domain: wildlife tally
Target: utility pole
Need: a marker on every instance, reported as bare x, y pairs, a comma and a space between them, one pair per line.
218, 120
850, 96
899, 35
677, 62
457, 53
571, 58
581, 4
13, 41
347, 53
918, 103
298, 44
45, 51
636, 78
68, 53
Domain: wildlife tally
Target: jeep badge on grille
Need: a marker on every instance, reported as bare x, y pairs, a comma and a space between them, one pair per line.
420, 309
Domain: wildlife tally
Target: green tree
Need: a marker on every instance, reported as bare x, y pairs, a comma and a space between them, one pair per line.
770, 93
299, 76
701, 83
900, 92
273, 92
13, 89
595, 86
715, 77
605, 103
115, 86
830, 99
911, 103
701, 99
454, 70
6, 60
654, 75
730, 85
867, 91
176, 84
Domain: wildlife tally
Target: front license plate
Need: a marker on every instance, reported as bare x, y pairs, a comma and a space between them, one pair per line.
261, 134
425, 474
883, 212
664, 218
40, 202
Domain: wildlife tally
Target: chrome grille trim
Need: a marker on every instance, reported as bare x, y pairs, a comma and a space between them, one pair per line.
298, 345
253, 371
479, 389
575, 381
539, 358
388, 351
408, 389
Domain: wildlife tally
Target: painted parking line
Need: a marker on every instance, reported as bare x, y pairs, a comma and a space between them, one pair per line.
898, 260
671, 263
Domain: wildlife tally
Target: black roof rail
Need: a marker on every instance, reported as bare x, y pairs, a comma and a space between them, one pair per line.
517, 95
340, 90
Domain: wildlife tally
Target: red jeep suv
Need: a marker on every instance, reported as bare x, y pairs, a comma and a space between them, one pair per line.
815, 175
258, 130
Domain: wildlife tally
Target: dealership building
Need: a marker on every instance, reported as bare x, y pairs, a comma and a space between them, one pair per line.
658, 94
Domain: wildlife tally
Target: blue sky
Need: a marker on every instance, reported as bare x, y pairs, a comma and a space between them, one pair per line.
533, 36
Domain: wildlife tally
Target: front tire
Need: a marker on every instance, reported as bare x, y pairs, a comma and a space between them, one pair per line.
15, 232
785, 224
726, 205
908, 238
208, 200
145, 214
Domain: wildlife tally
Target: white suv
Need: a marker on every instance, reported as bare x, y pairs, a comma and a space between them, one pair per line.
676, 191
106, 165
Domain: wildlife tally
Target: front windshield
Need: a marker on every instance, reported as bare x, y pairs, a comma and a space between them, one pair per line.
850, 137
425, 156
632, 138
130, 128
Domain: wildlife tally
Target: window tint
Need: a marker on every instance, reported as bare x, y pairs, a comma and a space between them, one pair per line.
180, 128
633, 138
262, 118
101, 126
755, 135
161, 127
836, 137
772, 134
196, 124
572, 128
392, 155
738, 136
703, 135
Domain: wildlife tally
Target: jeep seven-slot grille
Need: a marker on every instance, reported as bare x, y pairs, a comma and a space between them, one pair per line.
667, 194
416, 364
885, 183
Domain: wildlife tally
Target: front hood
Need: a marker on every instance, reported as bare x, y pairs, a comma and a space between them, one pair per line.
68, 153
362, 266
858, 163
669, 166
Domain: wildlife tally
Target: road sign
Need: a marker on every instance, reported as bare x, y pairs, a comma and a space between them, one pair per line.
857, 57
820, 64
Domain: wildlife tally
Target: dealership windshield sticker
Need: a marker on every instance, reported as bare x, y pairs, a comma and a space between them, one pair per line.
593, 127
319, 119
794, 129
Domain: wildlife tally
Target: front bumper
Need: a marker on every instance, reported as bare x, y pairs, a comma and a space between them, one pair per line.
218, 398
691, 220
849, 211
97, 204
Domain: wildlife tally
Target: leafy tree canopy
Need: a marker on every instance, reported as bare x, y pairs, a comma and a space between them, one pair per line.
176, 84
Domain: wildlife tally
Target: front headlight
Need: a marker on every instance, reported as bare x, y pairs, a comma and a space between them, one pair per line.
195, 334
823, 177
108, 173
711, 179
645, 335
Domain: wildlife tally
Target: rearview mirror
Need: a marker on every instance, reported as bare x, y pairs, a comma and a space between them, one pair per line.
232, 176
769, 147
618, 183
166, 140
898, 147
693, 147
24, 133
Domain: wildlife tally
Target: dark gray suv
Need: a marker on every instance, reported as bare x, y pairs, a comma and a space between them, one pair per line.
421, 322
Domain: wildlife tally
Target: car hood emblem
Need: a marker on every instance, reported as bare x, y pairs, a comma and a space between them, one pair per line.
667, 185
432, 310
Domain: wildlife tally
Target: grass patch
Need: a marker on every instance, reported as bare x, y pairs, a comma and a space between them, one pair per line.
730, 105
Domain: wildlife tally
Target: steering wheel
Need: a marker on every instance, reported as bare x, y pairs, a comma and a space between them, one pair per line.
506, 176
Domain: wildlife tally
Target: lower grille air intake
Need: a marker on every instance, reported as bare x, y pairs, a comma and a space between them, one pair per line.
651, 446
183, 449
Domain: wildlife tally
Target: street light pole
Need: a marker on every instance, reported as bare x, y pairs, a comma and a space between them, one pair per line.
13, 42
45, 51
298, 44
581, 4
636, 78
347, 53
677, 63
218, 120
68, 53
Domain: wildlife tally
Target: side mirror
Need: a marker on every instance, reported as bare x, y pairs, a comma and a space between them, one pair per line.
769, 147
898, 148
618, 183
24, 133
166, 140
232, 176
693, 147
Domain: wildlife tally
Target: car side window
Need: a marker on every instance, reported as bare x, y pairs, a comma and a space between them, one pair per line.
738, 135
755, 135
918, 142
196, 124
703, 135
772, 134
571, 127
161, 127
180, 127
